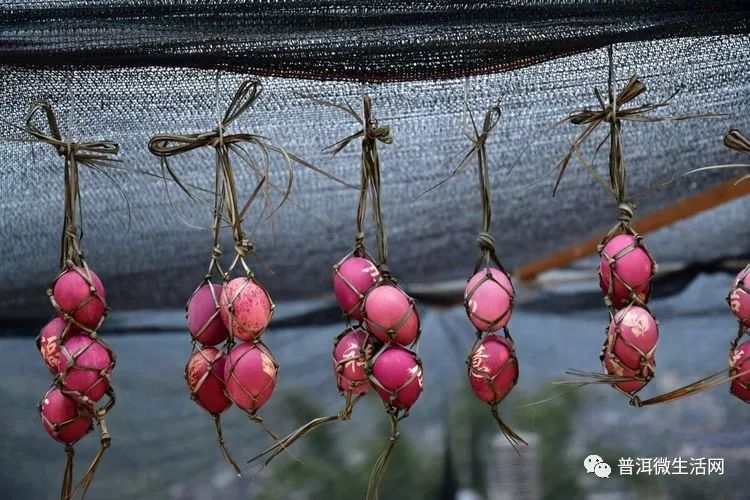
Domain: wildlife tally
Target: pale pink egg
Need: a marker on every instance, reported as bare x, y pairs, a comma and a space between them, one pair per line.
740, 363
245, 308
85, 366
76, 297
739, 299
250, 375
493, 369
390, 315
489, 300
632, 268
640, 377
203, 318
350, 355
632, 336
63, 419
397, 376
204, 374
351, 280
48, 341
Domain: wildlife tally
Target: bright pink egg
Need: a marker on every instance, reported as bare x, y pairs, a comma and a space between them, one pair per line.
205, 378
351, 280
488, 297
638, 334
632, 268
245, 308
203, 319
85, 365
49, 340
81, 300
250, 375
63, 419
740, 363
642, 377
397, 376
350, 355
493, 370
390, 315
739, 299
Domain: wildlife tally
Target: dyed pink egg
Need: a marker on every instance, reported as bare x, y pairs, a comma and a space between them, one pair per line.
63, 419
203, 319
351, 280
493, 371
389, 315
81, 300
739, 299
632, 268
397, 376
488, 297
638, 334
740, 363
245, 308
349, 362
629, 386
85, 365
49, 340
250, 375
204, 374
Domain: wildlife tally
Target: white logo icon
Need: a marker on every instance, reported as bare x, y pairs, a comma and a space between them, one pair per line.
594, 464
591, 462
602, 470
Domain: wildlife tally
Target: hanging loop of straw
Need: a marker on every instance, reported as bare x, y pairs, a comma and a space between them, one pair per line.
94, 155
370, 134
252, 149
613, 112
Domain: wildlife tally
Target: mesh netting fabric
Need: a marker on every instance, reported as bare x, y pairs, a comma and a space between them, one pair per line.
344, 39
134, 103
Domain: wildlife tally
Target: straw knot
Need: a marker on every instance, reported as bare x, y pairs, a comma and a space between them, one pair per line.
486, 242
243, 247
625, 212
216, 252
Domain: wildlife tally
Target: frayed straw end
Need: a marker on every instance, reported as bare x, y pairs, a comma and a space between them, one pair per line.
223, 446
382, 463
287, 441
514, 439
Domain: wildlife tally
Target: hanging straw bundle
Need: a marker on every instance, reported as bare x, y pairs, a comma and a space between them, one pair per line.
230, 310
70, 346
489, 294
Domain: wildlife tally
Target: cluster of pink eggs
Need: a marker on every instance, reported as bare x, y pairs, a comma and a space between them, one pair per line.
383, 324
243, 371
739, 363
80, 361
493, 366
625, 272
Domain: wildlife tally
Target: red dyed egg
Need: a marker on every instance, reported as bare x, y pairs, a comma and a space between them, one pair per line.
629, 386
488, 297
63, 419
75, 296
351, 279
740, 363
203, 319
349, 362
632, 267
250, 375
390, 316
205, 378
85, 365
397, 376
49, 340
739, 299
245, 308
493, 370
638, 334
